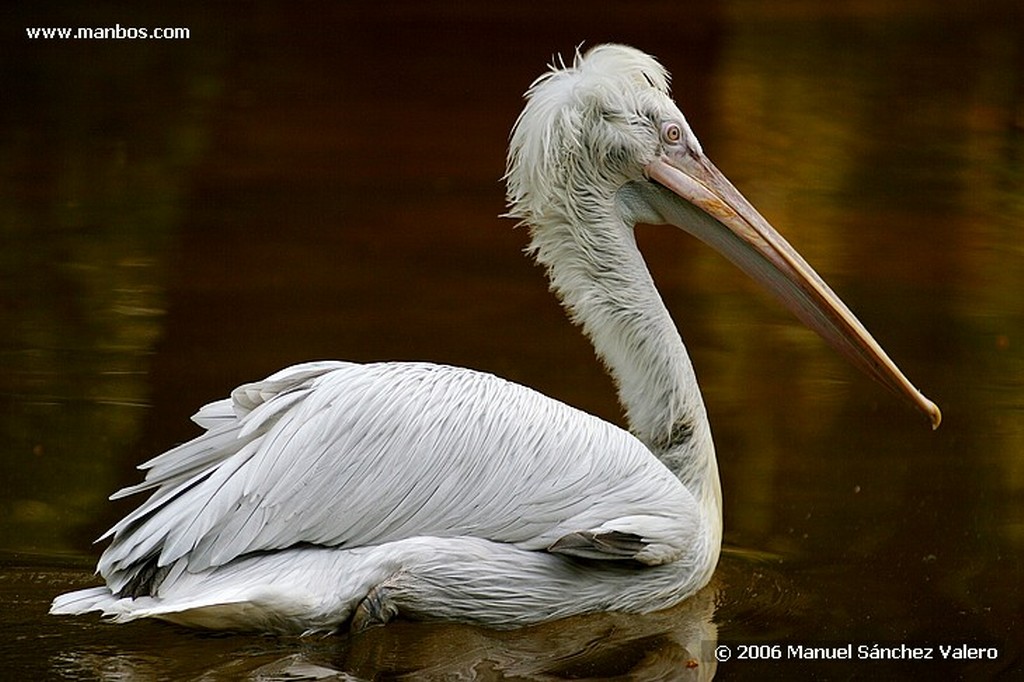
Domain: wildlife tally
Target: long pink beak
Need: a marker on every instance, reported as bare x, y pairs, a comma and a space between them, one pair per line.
743, 236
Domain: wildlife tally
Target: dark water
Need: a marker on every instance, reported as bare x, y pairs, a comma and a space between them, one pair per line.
302, 181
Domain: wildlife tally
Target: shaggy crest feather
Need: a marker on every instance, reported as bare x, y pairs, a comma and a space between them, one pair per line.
576, 119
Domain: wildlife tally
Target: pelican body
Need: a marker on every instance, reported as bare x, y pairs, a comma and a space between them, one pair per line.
334, 494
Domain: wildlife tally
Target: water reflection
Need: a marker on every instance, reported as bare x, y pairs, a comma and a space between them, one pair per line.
179, 219
676, 644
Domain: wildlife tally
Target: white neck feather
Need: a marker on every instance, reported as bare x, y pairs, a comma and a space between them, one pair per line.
600, 276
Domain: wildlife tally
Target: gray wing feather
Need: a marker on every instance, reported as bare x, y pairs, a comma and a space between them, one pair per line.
609, 545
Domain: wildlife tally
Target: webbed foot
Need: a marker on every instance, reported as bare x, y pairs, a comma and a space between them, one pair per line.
376, 608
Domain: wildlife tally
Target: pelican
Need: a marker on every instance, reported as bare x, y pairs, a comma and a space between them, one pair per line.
335, 495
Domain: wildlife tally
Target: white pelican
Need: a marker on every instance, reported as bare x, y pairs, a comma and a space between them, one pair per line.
333, 494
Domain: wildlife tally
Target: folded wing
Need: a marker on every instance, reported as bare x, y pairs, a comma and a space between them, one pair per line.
346, 455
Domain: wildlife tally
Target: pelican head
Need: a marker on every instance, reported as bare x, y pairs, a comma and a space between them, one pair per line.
600, 145
588, 130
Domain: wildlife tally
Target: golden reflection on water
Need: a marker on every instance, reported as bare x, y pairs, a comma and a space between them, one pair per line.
173, 226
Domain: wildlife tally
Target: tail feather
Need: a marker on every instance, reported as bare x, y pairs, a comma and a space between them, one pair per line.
82, 601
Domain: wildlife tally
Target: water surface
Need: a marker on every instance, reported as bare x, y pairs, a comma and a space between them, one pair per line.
178, 218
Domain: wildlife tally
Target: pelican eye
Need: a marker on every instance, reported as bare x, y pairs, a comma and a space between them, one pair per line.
671, 133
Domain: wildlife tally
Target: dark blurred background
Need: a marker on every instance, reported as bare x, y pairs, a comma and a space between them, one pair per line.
323, 180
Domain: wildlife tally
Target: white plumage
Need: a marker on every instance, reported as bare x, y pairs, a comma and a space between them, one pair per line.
333, 493
443, 481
